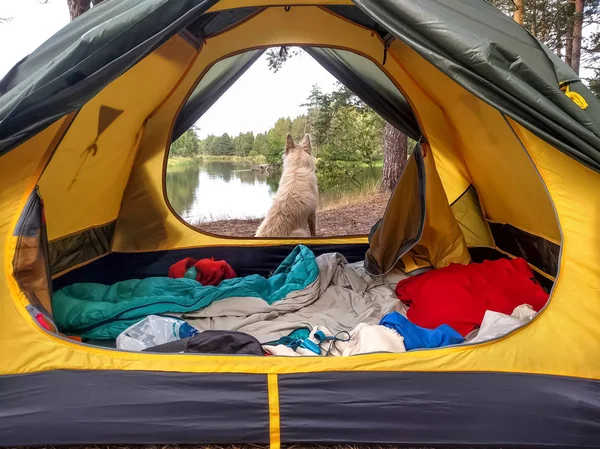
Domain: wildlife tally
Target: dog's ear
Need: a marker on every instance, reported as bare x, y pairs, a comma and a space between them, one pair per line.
289, 143
305, 143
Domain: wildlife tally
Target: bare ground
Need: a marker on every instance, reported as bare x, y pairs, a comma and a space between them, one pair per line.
352, 219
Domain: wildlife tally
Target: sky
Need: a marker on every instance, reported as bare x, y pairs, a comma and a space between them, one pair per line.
31, 25
253, 103
260, 96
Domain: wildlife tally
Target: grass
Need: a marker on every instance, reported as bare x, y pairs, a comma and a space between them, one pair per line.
351, 197
260, 159
224, 217
378, 163
175, 161
179, 161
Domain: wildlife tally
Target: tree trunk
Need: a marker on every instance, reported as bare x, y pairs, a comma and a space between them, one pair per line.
544, 25
577, 35
78, 7
569, 38
519, 12
395, 146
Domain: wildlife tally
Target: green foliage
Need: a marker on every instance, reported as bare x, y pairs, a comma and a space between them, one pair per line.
206, 143
357, 134
335, 169
299, 127
276, 57
260, 144
245, 144
320, 111
276, 140
222, 146
188, 145
346, 132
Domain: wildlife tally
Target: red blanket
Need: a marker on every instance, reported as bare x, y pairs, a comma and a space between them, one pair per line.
459, 295
207, 271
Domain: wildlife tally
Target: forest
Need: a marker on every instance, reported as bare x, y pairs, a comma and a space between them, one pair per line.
346, 135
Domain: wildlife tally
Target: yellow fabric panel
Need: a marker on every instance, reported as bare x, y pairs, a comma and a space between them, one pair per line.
469, 216
83, 186
434, 123
509, 188
576, 302
20, 170
16, 168
274, 414
442, 242
145, 221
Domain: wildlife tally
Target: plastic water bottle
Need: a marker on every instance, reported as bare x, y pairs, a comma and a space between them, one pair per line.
152, 331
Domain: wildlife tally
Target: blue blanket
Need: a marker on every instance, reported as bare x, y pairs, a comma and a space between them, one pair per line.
99, 311
416, 337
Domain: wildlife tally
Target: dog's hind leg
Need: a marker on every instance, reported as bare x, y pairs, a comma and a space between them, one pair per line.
312, 223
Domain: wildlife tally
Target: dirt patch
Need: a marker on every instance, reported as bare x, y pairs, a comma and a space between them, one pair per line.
353, 219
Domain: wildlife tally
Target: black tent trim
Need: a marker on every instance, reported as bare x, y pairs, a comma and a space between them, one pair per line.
145, 407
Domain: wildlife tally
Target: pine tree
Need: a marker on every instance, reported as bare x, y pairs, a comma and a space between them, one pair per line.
276, 140
567, 27
260, 144
222, 146
187, 145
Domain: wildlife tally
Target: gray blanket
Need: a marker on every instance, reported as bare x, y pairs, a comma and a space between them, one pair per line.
342, 297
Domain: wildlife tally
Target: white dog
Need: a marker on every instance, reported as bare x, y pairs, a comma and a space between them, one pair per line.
294, 208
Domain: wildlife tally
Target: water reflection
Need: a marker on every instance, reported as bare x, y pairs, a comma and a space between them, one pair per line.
218, 190
182, 184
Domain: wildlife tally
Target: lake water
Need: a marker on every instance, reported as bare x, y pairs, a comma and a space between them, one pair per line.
219, 190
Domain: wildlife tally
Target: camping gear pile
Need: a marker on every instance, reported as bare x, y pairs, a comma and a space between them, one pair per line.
308, 301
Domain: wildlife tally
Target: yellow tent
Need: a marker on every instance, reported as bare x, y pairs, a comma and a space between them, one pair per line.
511, 152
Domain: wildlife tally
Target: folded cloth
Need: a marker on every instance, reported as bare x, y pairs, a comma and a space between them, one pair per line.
459, 295
416, 337
213, 342
205, 271
365, 339
496, 324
